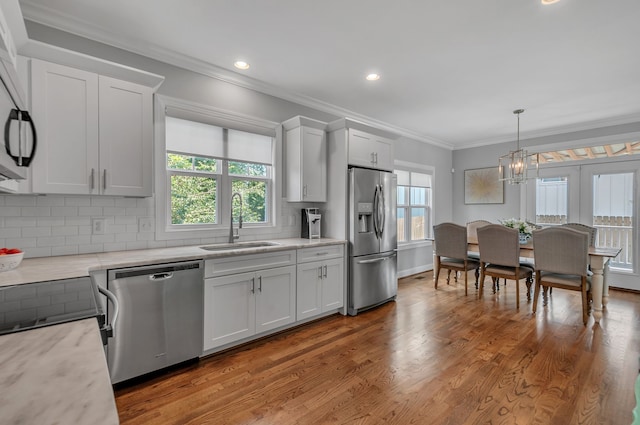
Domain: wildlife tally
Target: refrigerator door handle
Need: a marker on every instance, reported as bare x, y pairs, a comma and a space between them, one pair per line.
377, 260
376, 201
381, 211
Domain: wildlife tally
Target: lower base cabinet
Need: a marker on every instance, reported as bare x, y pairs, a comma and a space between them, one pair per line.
241, 305
320, 287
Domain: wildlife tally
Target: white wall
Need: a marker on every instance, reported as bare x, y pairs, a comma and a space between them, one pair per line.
58, 225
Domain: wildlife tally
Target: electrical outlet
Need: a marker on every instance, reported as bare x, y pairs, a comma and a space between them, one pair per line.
97, 226
145, 224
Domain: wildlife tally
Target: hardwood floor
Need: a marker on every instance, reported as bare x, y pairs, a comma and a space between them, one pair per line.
431, 357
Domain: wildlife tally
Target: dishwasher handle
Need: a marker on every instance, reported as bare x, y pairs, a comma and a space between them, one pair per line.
116, 309
161, 276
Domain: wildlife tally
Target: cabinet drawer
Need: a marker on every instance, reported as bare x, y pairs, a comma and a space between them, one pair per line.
320, 253
247, 263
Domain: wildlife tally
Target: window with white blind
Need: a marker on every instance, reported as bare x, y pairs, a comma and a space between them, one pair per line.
414, 205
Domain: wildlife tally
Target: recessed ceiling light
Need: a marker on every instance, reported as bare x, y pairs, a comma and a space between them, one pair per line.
241, 65
373, 77
549, 1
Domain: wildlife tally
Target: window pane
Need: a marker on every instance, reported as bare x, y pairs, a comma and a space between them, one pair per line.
551, 200
254, 196
400, 225
418, 223
418, 196
193, 200
402, 195
185, 162
247, 169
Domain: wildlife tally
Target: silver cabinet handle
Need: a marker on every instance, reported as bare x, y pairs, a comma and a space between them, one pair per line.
260, 283
253, 285
376, 157
320, 272
373, 161
324, 275
93, 179
304, 191
104, 179
322, 253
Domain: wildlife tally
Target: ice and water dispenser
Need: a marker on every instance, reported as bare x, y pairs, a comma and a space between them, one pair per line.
311, 223
365, 217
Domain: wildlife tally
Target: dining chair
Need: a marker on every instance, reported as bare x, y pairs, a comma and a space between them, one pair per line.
561, 256
451, 251
500, 258
472, 233
592, 231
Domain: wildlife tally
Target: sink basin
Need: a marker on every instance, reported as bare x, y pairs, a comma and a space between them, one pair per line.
237, 245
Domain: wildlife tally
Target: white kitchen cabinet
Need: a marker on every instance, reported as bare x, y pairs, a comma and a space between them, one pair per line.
306, 164
238, 306
369, 150
95, 133
320, 283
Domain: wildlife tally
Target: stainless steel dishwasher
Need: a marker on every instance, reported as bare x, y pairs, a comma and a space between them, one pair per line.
161, 317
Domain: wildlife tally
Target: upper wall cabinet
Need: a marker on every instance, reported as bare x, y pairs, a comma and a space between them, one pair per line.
369, 150
306, 160
96, 132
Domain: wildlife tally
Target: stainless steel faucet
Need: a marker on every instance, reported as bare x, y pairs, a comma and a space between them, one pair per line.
235, 236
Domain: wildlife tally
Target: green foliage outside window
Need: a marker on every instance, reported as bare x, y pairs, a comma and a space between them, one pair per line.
193, 200
254, 195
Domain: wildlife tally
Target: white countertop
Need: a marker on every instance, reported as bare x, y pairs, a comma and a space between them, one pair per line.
56, 375
70, 266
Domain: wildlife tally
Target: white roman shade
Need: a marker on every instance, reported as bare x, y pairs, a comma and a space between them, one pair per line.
411, 178
196, 138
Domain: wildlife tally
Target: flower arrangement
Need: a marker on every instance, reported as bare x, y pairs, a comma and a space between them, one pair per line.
523, 227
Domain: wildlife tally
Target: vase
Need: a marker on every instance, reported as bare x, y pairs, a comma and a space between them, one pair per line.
524, 238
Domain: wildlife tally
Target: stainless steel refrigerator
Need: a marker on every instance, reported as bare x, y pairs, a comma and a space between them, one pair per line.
373, 276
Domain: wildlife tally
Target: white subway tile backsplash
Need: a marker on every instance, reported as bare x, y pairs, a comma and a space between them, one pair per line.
77, 201
90, 211
51, 221
21, 201
20, 222
50, 201
61, 225
36, 231
35, 211
64, 211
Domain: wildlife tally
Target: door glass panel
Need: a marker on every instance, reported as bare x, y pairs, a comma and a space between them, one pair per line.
613, 206
551, 200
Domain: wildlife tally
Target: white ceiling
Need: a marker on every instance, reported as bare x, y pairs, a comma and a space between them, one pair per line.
452, 71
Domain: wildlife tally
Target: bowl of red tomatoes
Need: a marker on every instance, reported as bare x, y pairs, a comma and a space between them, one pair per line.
10, 258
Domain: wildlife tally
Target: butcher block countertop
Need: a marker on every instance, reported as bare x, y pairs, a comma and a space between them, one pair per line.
70, 266
56, 375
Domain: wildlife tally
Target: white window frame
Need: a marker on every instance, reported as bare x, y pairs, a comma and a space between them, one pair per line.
203, 113
423, 169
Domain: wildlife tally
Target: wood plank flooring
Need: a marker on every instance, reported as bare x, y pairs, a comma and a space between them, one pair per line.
432, 357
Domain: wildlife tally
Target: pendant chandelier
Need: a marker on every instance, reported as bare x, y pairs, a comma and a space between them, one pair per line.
513, 167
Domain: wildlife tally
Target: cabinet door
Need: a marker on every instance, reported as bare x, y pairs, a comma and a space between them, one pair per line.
309, 290
314, 165
229, 309
367, 150
65, 110
126, 141
332, 284
275, 298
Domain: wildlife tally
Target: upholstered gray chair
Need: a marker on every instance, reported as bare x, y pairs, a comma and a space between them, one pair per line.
472, 233
592, 231
500, 257
451, 251
561, 257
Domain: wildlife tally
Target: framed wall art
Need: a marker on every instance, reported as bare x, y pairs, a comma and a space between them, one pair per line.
482, 186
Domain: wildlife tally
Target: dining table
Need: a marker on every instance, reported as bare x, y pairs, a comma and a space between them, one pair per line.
599, 264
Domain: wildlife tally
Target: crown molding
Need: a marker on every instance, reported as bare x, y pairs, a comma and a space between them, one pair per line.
44, 15
555, 131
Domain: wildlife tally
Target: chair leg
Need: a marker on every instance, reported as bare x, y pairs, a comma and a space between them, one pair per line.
477, 276
466, 274
545, 298
529, 282
455, 277
448, 275
435, 283
536, 294
481, 281
517, 294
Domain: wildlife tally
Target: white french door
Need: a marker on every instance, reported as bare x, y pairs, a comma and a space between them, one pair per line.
603, 195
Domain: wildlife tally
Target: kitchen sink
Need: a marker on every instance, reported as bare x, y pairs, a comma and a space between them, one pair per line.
237, 245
